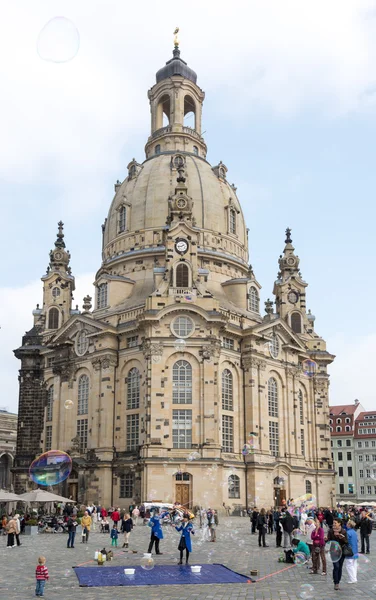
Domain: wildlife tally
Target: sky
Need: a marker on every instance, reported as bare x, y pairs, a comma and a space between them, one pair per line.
290, 108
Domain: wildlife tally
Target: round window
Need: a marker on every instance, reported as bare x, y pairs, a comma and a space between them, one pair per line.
82, 343
183, 327
56, 292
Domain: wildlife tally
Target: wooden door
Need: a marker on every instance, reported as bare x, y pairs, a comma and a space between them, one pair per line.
182, 494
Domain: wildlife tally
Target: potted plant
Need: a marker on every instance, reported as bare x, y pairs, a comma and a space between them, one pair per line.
31, 527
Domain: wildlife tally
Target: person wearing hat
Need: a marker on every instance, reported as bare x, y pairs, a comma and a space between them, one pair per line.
18, 529
185, 542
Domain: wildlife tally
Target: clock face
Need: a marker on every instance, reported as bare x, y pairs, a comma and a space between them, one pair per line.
293, 297
181, 246
181, 203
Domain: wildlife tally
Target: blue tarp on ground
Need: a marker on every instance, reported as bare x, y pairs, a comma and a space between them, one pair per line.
160, 575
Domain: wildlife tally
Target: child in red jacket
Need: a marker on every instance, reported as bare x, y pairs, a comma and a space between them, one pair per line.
41, 574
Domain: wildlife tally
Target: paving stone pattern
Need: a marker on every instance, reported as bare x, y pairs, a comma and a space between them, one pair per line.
235, 548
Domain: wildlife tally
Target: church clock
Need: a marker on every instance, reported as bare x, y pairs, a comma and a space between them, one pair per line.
293, 297
181, 246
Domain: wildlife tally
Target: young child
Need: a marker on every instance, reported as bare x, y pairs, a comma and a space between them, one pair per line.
41, 574
114, 536
185, 543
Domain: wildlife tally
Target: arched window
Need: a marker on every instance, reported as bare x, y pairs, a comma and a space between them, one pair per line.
227, 390
102, 295
182, 382
347, 428
347, 420
122, 218
338, 428
296, 322
53, 318
50, 400
157, 149
272, 397
308, 487
274, 346
195, 150
338, 420
301, 412
189, 112
83, 395
253, 299
182, 275
233, 486
232, 223
133, 389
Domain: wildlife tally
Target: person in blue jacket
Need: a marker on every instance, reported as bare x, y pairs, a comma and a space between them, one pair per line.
351, 562
156, 530
185, 542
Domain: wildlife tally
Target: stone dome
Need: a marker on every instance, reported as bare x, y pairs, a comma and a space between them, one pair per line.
145, 195
176, 66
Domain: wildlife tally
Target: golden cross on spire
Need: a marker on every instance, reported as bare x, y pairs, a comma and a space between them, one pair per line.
176, 39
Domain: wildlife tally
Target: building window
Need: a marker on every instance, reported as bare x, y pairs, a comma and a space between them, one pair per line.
56, 292
302, 446
273, 438
181, 428
133, 389
122, 218
182, 276
340, 471
227, 390
182, 477
132, 432
182, 383
82, 434
347, 428
362, 490
102, 295
308, 487
232, 218
228, 343
366, 444
338, 420
361, 473
349, 471
369, 490
157, 149
351, 488
366, 458
53, 318
126, 485
183, 326
195, 150
359, 444
233, 486
374, 457
339, 443
253, 302
296, 322
341, 488
349, 456
348, 442
338, 428
48, 441
82, 343
360, 458
227, 434
340, 456
272, 397
274, 346
373, 444
50, 401
301, 413
83, 395
132, 342
347, 420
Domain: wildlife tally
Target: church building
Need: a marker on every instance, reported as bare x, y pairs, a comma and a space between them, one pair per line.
157, 385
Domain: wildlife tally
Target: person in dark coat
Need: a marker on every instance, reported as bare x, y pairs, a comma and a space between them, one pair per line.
329, 518
72, 526
262, 526
185, 542
288, 526
126, 528
253, 519
156, 530
338, 534
365, 527
278, 529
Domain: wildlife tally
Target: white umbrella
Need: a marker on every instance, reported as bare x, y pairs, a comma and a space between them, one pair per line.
43, 496
9, 497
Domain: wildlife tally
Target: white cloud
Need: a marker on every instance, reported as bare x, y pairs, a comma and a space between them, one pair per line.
16, 318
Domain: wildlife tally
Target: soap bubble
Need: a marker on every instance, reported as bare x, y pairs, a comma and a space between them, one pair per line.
193, 456
302, 504
372, 468
180, 345
68, 404
333, 551
50, 468
67, 573
147, 563
306, 591
58, 41
309, 367
247, 449
298, 534
300, 559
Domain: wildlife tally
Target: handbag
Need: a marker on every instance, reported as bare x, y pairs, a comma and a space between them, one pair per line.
347, 551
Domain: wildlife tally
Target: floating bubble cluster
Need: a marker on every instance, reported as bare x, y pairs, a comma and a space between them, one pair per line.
309, 367
250, 445
180, 345
51, 468
68, 404
304, 503
333, 551
59, 40
193, 456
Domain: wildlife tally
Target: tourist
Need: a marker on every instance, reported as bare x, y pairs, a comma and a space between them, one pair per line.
185, 542
310, 527
338, 534
72, 525
11, 530
300, 547
135, 515
288, 526
270, 521
115, 516
156, 530
104, 513
262, 526
329, 518
114, 536
318, 549
105, 525
352, 561
126, 528
41, 575
86, 525
18, 529
253, 519
212, 524
365, 526
278, 528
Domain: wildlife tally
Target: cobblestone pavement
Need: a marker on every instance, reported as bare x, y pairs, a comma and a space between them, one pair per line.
235, 547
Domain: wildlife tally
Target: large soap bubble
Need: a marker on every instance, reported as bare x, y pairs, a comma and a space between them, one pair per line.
300, 558
51, 468
306, 591
58, 41
147, 563
304, 503
333, 551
